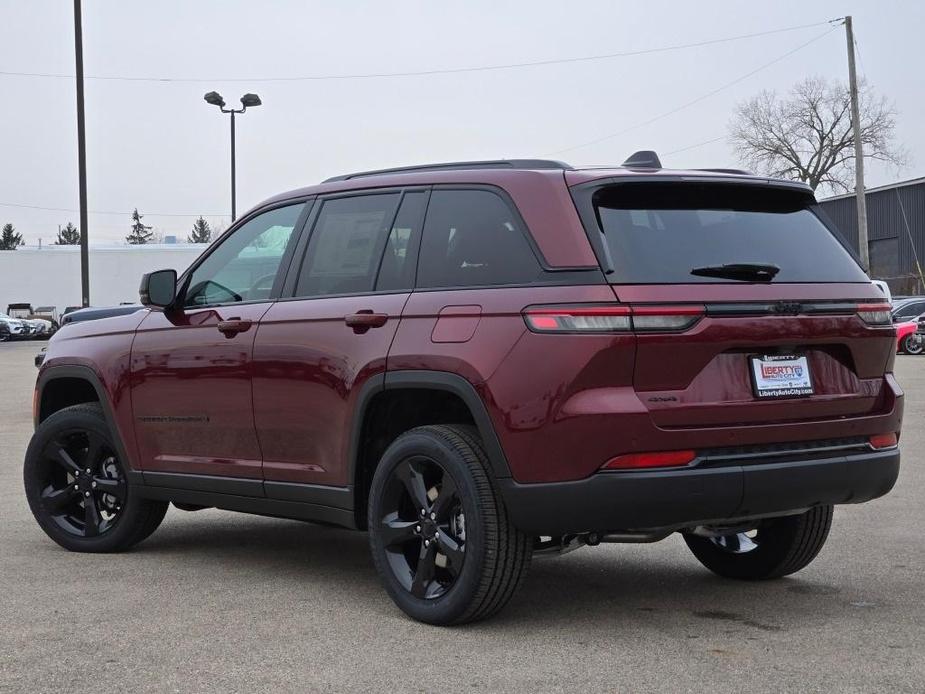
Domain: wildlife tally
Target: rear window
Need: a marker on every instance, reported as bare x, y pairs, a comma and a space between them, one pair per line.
657, 233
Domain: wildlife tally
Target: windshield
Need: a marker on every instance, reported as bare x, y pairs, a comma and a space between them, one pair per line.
658, 233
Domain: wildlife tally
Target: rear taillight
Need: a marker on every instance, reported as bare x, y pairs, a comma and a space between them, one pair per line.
594, 319
650, 318
889, 440
608, 318
875, 314
635, 461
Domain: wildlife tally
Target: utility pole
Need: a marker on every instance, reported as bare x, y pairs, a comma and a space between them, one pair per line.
81, 159
858, 149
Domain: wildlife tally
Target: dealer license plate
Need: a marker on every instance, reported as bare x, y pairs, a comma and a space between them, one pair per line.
781, 376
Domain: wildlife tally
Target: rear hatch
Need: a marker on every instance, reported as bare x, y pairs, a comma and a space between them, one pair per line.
747, 306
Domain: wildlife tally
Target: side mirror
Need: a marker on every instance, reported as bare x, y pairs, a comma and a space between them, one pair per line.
158, 288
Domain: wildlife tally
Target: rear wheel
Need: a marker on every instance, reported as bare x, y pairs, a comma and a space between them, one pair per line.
777, 547
913, 344
440, 536
77, 487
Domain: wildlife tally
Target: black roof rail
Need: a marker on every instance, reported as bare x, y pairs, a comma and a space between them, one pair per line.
742, 172
459, 165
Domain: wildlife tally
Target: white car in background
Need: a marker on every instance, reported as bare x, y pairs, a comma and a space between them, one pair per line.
41, 328
18, 328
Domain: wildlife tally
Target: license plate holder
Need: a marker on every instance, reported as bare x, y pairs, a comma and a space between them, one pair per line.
780, 376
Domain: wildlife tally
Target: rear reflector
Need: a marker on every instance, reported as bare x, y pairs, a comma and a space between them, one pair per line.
630, 461
875, 314
608, 318
879, 441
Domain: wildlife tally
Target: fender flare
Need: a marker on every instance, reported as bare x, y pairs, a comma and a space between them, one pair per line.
86, 373
433, 380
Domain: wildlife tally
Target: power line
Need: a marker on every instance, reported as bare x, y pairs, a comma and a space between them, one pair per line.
699, 98
699, 144
145, 214
424, 73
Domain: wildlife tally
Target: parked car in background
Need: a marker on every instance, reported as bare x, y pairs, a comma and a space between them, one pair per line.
482, 360
49, 313
42, 329
910, 336
42, 321
4, 331
18, 329
908, 308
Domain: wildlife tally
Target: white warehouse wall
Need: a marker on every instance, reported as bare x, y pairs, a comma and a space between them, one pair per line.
50, 276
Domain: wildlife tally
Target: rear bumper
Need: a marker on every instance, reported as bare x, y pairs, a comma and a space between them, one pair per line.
613, 501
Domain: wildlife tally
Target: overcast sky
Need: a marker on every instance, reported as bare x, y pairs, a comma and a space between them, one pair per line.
157, 146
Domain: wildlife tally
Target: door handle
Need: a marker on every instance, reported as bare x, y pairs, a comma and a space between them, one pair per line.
231, 327
361, 321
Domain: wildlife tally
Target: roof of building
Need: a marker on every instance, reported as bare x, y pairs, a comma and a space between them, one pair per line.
877, 189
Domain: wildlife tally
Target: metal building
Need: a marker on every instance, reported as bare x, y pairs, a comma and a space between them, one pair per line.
895, 230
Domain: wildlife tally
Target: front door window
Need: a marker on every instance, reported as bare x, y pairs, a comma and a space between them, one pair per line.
244, 266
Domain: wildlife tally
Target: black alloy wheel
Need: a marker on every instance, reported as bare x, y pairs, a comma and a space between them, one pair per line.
77, 485
82, 482
441, 539
775, 547
424, 529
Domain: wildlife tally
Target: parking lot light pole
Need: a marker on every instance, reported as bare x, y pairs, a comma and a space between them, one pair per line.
216, 99
81, 159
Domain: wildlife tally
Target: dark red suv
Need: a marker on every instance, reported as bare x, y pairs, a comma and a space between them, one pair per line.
481, 361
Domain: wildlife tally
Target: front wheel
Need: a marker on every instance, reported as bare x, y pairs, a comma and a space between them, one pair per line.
77, 487
776, 547
440, 536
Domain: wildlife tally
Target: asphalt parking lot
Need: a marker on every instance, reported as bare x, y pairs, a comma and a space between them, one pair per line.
216, 601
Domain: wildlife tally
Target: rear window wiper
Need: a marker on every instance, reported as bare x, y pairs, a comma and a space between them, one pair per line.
747, 272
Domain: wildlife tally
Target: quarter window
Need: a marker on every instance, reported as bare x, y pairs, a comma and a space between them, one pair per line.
245, 265
473, 238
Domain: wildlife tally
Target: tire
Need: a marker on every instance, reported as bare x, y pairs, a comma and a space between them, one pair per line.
445, 470
778, 547
58, 488
913, 345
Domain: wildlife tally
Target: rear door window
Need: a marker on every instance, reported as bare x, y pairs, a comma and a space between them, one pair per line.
346, 245
396, 269
657, 233
472, 238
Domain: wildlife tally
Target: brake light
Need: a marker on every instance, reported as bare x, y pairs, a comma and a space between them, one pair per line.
889, 440
875, 314
608, 318
633, 461
568, 319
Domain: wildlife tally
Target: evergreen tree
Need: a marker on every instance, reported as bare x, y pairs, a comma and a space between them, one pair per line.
9, 238
141, 233
68, 236
201, 233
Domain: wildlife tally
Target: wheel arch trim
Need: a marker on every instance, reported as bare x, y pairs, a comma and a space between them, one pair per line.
88, 374
432, 380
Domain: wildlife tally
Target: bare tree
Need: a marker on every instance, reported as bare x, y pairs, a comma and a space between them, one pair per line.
807, 134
